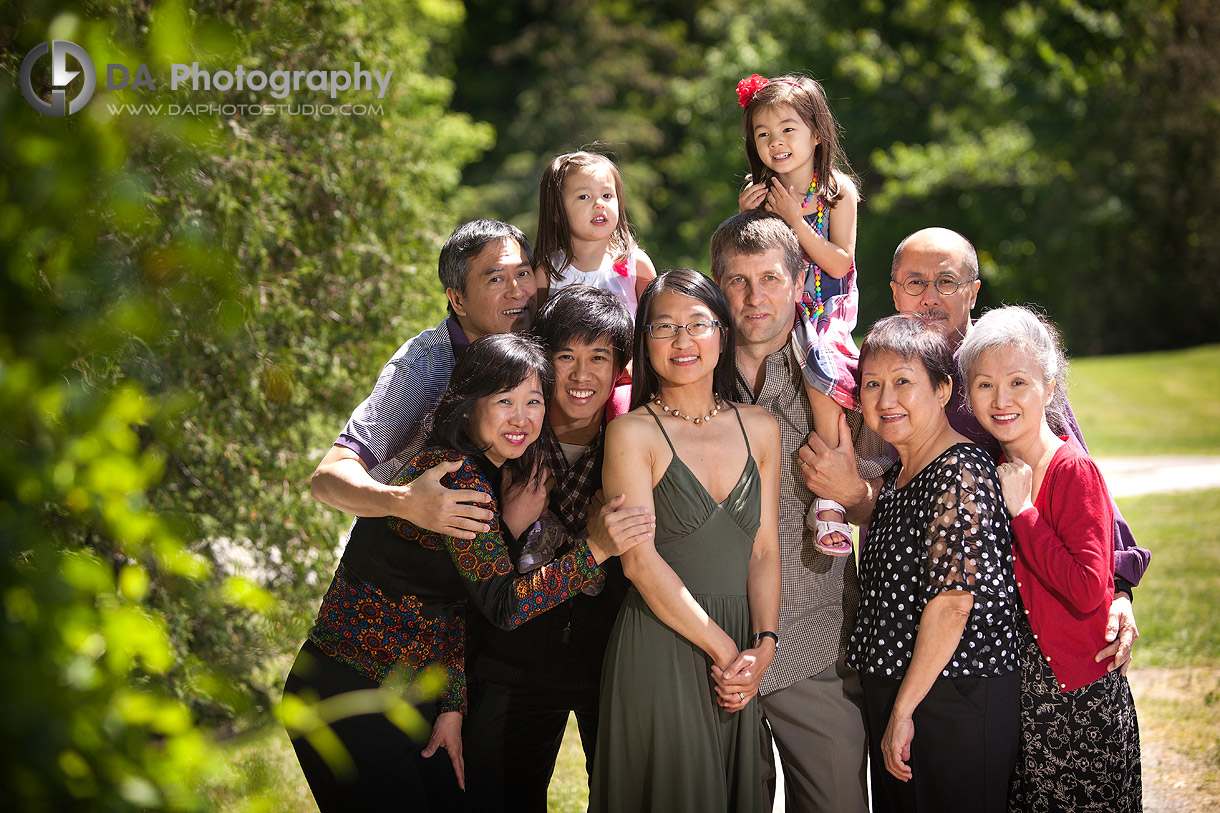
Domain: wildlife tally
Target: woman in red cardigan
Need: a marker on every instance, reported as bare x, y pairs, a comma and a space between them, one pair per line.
1079, 734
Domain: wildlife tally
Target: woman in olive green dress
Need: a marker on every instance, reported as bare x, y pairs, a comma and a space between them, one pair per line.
680, 722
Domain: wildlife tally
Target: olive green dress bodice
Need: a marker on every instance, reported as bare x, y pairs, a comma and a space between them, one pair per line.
663, 743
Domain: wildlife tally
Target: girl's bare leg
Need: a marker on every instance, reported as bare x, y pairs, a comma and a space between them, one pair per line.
826, 412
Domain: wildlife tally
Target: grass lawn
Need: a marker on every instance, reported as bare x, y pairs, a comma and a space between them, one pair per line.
1149, 404
569, 790
1176, 671
1178, 602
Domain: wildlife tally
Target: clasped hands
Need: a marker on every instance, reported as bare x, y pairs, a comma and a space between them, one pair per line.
738, 682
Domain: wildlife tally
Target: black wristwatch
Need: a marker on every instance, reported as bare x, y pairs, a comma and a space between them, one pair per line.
758, 636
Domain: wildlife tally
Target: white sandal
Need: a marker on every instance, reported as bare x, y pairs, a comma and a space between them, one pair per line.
823, 528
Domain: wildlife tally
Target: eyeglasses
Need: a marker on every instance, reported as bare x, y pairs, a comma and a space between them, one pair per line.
945, 286
698, 330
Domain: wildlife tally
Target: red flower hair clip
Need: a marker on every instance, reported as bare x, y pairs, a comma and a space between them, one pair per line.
746, 89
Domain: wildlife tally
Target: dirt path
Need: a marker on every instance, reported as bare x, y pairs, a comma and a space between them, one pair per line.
1175, 774
1133, 476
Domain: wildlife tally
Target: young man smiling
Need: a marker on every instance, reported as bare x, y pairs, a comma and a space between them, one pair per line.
527, 681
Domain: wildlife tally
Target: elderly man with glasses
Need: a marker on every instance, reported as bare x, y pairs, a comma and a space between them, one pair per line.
935, 274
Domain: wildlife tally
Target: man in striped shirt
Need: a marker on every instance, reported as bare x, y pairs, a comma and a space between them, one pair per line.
486, 268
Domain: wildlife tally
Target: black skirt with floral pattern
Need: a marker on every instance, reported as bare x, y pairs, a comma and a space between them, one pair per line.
1080, 750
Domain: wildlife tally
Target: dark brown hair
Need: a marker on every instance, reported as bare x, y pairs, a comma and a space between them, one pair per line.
494, 363
808, 99
907, 336
645, 381
554, 235
585, 314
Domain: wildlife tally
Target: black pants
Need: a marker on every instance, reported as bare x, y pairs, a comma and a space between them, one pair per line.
511, 739
967, 732
388, 771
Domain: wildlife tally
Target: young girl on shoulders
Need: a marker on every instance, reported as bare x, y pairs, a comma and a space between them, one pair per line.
583, 232
798, 171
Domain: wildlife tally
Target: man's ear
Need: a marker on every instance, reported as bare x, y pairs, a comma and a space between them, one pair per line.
974, 292
456, 301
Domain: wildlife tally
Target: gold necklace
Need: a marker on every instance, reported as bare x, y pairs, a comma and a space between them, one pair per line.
656, 399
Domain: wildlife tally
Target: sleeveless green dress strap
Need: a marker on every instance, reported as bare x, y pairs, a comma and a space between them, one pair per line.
663, 744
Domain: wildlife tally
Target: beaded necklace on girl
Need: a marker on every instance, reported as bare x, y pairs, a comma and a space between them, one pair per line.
814, 309
792, 140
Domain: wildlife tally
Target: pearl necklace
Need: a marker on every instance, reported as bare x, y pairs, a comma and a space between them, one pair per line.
656, 399
814, 308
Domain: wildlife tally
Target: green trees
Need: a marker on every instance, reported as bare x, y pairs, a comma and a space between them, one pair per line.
1072, 141
191, 304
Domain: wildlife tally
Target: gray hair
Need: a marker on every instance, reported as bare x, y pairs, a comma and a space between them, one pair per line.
467, 242
1034, 336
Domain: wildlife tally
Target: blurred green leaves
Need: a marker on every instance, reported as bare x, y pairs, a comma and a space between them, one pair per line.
191, 304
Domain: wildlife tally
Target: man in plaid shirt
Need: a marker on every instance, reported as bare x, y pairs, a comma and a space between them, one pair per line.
525, 682
811, 699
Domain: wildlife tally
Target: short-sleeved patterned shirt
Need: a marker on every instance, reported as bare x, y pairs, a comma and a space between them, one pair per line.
946, 529
391, 425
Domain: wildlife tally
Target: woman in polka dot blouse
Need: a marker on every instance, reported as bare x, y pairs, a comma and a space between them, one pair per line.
935, 638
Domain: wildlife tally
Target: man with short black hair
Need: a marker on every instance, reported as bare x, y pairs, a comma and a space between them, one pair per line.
487, 270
